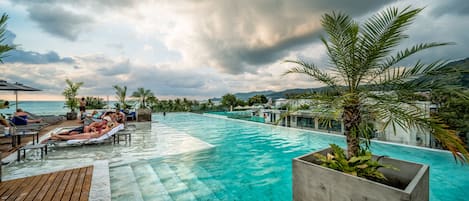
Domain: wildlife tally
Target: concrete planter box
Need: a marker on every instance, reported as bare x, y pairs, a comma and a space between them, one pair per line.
314, 182
71, 115
143, 114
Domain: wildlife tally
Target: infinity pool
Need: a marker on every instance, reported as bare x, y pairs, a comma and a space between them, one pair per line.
252, 161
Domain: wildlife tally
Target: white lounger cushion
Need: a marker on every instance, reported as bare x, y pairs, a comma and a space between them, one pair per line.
99, 139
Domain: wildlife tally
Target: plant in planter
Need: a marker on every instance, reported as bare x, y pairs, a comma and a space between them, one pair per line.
121, 94
71, 101
143, 113
372, 86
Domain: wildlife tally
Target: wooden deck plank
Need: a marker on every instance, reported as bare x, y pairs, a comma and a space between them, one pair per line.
30, 187
87, 184
6, 186
35, 190
14, 193
71, 184
45, 188
69, 190
55, 185
62, 185
41, 187
78, 185
10, 188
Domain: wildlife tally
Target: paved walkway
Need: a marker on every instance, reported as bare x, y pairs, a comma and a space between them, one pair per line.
70, 185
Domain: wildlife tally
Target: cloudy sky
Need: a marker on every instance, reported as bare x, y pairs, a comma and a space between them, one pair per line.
196, 49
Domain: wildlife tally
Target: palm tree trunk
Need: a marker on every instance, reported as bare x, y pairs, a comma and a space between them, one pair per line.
352, 118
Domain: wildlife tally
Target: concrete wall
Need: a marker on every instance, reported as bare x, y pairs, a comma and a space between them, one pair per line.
314, 182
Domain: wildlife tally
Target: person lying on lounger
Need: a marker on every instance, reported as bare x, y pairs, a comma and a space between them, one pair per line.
93, 134
74, 131
21, 118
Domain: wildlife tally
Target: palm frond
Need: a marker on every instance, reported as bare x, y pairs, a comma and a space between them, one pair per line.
343, 35
4, 48
391, 61
312, 71
381, 33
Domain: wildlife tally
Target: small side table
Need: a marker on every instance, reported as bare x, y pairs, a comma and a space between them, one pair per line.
42, 147
127, 135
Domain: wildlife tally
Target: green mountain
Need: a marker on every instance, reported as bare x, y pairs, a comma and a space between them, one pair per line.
462, 65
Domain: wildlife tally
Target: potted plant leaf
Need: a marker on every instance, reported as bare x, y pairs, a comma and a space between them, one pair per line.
143, 112
71, 101
371, 85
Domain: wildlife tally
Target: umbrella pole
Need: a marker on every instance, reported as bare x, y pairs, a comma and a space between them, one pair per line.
16, 94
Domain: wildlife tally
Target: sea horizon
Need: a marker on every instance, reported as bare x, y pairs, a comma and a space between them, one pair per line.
40, 107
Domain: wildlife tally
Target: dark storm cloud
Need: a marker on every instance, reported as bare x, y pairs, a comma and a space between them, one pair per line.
30, 57
58, 21
233, 51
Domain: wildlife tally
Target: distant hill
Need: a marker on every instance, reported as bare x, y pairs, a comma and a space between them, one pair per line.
460, 65
246, 95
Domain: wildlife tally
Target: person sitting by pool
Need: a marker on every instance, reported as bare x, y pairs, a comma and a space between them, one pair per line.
21, 118
3, 105
119, 116
96, 133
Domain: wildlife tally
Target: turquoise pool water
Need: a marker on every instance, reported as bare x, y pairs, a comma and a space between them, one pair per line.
252, 161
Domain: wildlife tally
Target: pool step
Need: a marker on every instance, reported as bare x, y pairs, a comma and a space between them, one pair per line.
216, 186
198, 188
176, 189
150, 185
124, 180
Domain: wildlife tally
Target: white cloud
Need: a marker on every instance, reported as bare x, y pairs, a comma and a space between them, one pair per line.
204, 48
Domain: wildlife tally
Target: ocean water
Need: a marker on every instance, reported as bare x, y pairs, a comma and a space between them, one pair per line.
40, 107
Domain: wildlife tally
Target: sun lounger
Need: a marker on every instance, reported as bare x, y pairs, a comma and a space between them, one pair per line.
28, 127
50, 119
98, 140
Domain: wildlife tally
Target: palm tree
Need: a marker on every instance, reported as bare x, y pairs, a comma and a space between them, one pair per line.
142, 94
4, 48
70, 94
372, 85
121, 93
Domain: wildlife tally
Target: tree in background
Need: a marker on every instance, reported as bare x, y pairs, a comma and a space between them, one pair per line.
142, 94
4, 48
454, 111
152, 101
228, 100
365, 56
257, 99
121, 94
94, 102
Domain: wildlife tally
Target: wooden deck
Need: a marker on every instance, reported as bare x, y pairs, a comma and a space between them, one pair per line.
71, 184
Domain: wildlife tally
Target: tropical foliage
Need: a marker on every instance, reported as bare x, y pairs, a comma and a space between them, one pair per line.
176, 105
94, 102
454, 111
229, 100
4, 48
121, 95
257, 99
71, 93
361, 165
367, 74
143, 94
